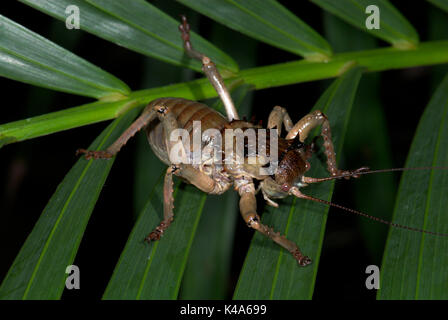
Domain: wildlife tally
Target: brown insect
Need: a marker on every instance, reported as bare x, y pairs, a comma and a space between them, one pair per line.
164, 115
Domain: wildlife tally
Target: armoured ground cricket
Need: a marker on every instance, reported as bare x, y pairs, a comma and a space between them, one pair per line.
163, 116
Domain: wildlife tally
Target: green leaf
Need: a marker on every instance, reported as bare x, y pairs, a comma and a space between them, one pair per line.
138, 26
207, 273
267, 21
428, 53
437, 30
443, 4
27, 57
62, 120
394, 28
155, 271
269, 272
367, 140
415, 265
38, 272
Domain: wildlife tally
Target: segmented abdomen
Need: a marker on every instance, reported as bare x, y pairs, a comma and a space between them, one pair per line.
186, 111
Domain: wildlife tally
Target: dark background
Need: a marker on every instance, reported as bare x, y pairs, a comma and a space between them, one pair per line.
31, 170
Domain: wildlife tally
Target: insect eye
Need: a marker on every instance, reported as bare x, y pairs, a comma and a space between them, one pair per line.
285, 187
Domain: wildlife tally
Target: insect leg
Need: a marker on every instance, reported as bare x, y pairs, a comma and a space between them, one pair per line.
187, 171
277, 117
195, 177
210, 71
268, 200
168, 206
202, 181
146, 117
308, 123
248, 209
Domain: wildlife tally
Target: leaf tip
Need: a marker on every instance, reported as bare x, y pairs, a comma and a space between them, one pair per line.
405, 45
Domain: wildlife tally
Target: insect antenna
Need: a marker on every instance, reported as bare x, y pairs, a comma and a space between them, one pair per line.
298, 194
366, 170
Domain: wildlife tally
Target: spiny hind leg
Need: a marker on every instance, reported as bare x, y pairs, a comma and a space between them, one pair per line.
248, 209
210, 71
304, 126
146, 117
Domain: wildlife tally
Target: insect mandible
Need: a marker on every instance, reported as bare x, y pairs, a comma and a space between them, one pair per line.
161, 117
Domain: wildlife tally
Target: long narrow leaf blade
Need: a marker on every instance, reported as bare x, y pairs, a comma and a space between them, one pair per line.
393, 26
155, 271
38, 272
415, 265
28, 57
267, 21
269, 272
428, 53
138, 26
443, 4
367, 133
61, 120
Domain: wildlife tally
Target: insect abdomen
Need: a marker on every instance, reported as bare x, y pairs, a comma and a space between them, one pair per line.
186, 111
